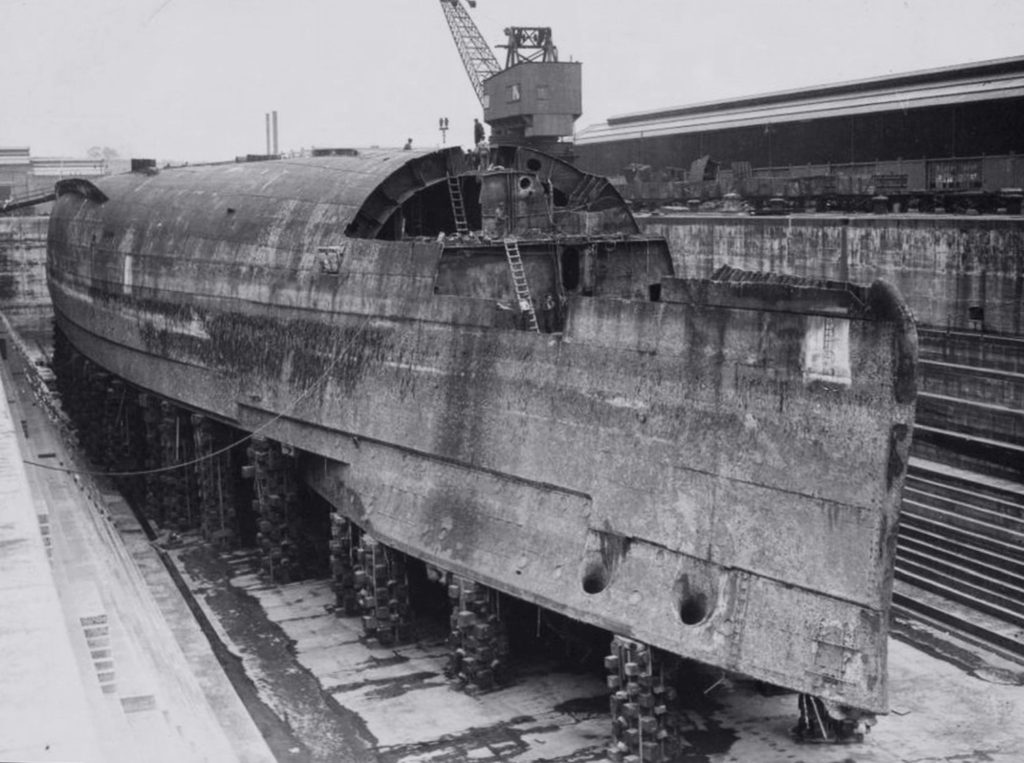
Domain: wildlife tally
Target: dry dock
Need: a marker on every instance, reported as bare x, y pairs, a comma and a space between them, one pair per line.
106, 661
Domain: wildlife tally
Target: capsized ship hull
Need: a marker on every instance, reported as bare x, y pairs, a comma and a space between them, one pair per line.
711, 467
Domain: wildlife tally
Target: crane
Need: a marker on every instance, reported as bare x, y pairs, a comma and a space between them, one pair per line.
535, 99
478, 59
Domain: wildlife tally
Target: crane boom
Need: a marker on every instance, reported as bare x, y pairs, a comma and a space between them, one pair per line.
477, 57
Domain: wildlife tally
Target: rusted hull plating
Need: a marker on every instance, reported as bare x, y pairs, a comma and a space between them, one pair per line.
714, 469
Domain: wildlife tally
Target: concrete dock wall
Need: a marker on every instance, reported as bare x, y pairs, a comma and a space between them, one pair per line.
23, 294
944, 265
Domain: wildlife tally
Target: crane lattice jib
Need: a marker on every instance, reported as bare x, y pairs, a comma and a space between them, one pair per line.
478, 59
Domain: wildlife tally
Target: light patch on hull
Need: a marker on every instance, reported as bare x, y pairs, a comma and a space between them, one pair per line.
127, 274
826, 350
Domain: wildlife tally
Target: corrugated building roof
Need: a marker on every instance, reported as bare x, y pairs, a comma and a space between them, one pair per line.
982, 81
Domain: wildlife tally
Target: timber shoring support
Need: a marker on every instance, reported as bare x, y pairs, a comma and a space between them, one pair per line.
643, 728
276, 503
383, 592
344, 546
478, 643
216, 484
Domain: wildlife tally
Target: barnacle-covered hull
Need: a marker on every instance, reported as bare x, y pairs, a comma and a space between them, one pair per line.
711, 467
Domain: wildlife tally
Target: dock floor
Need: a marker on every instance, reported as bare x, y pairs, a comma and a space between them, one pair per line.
105, 660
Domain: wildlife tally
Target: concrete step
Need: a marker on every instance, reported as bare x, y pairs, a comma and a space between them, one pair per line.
963, 515
1007, 490
1005, 353
968, 452
1008, 539
914, 603
973, 384
987, 497
966, 539
1009, 518
954, 593
971, 585
941, 545
994, 422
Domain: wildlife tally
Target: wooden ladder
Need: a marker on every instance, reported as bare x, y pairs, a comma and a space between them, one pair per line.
515, 264
458, 205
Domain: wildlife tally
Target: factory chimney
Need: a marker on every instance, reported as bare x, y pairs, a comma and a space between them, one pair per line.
266, 118
274, 120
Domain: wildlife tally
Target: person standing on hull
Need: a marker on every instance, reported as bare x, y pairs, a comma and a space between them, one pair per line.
548, 317
480, 144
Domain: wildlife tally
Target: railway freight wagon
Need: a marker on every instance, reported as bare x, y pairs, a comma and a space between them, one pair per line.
489, 369
943, 139
956, 185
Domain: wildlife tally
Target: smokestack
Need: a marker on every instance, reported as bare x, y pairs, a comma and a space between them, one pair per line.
274, 119
266, 118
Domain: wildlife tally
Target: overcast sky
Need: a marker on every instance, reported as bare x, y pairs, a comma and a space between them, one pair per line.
192, 79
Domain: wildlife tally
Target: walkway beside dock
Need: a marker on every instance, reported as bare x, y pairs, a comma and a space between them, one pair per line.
43, 714
103, 659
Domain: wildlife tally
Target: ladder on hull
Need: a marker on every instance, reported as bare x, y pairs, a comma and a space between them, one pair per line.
515, 265
458, 205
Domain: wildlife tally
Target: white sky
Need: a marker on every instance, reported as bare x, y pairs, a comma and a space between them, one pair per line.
192, 79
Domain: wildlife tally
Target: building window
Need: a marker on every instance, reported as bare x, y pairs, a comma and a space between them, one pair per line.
542, 92
514, 93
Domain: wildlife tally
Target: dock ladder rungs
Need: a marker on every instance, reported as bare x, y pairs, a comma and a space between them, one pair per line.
515, 265
458, 205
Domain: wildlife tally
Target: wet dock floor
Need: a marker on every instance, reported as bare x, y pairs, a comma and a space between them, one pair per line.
347, 698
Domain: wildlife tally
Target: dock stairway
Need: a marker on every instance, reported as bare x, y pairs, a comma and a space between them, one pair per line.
961, 540
458, 205
960, 550
970, 407
515, 264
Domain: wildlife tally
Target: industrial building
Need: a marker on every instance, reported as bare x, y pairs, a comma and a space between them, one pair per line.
22, 174
954, 131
